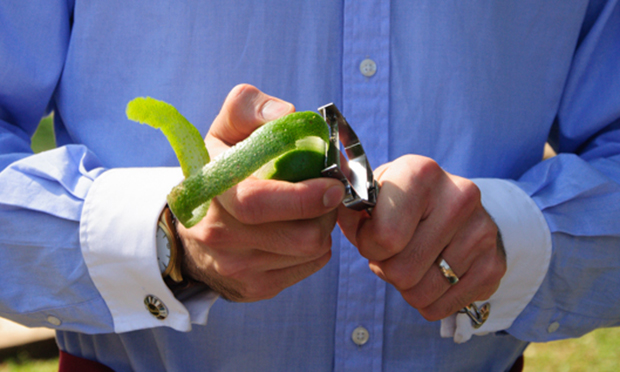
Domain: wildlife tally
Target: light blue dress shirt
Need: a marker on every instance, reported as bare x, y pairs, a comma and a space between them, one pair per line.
479, 86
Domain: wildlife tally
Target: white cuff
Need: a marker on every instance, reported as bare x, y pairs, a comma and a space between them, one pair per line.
117, 236
527, 241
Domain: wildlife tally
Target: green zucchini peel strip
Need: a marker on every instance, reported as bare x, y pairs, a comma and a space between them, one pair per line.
189, 201
184, 138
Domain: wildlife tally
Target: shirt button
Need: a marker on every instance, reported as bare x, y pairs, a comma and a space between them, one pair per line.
156, 307
553, 327
360, 336
368, 67
53, 320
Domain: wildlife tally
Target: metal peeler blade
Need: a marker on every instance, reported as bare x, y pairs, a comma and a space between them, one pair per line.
360, 185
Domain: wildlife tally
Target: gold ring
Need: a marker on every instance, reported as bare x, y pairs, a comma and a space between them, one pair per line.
447, 271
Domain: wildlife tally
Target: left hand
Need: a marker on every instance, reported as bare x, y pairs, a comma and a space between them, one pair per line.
423, 212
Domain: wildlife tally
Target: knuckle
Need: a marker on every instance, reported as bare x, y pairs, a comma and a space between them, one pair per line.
469, 190
405, 279
398, 278
490, 275
418, 299
327, 245
259, 292
243, 206
489, 233
214, 236
239, 92
299, 204
309, 240
426, 167
388, 240
487, 293
313, 236
423, 173
499, 270
377, 271
431, 315
422, 297
442, 309
230, 268
467, 197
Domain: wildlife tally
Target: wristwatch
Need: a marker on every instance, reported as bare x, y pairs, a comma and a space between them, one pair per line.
169, 249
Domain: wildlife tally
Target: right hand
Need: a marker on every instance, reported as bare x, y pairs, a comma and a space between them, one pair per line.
261, 236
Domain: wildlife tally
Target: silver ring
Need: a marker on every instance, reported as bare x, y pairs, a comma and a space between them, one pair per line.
447, 271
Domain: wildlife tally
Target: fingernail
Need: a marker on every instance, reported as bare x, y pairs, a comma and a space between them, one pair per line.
333, 196
273, 110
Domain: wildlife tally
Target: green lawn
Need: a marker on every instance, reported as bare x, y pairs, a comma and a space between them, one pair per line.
598, 351
24, 364
44, 139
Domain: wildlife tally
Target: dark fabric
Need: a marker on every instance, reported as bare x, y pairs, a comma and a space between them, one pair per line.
71, 363
518, 366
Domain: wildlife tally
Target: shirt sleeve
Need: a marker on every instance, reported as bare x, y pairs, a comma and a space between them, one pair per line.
577, 193
77, 240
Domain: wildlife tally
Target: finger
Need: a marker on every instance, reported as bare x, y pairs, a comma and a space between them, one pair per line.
458, 210
245, 109
434, 284
256, 262
307, 238
284, 278
255, 201
401, 205
415, 270
262, 287
477, 284
221, 235
475, 258
263, 261
236, 271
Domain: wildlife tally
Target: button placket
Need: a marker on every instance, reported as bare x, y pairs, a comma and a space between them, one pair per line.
365, 103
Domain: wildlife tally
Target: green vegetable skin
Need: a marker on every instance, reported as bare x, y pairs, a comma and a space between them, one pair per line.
291, 148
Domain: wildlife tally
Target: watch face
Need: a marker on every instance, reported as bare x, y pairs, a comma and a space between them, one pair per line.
163, 249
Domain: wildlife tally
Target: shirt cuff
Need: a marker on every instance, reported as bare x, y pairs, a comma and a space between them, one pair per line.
117, 237
527, 241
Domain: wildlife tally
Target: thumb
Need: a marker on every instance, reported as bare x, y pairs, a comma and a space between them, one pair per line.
245, 109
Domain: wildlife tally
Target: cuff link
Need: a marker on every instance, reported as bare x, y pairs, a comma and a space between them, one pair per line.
156, 307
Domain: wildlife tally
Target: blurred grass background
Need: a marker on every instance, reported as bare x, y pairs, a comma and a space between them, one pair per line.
597, 351
44, 138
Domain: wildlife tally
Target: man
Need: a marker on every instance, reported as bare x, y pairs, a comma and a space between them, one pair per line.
477, 88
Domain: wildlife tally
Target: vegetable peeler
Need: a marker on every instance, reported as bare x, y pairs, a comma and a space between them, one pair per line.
361, 188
